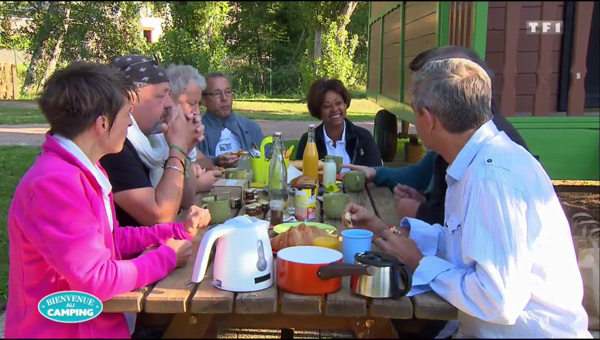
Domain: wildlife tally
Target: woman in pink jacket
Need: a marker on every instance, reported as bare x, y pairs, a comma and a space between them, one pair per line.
61, 224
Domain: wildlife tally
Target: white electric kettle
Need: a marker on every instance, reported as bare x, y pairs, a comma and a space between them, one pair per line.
243, 260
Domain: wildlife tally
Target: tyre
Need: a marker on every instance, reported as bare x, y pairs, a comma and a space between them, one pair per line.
386, 134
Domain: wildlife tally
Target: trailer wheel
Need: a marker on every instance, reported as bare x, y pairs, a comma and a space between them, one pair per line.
386, 134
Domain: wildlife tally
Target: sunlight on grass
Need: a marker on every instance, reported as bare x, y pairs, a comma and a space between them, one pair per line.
261, 109
284, 109
14, 162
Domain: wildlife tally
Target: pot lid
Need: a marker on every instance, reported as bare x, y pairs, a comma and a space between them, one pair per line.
377, 259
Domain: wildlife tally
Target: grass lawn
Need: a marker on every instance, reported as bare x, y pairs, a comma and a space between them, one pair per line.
14, 162
23, 112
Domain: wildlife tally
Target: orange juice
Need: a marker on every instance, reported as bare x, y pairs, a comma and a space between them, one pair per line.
310, 159
331, 242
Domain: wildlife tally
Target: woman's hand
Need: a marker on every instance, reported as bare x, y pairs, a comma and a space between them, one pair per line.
404, 191
369, 172
196, 218
401, 247
356, 216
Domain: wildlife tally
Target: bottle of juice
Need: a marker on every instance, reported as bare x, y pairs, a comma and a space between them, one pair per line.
310, 160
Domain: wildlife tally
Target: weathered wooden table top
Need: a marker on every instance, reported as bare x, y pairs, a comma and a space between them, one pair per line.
175, 294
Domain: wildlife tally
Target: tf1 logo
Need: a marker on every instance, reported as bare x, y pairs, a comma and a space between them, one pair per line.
544, 27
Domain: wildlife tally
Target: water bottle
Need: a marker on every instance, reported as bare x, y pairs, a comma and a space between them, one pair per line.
329, 171
244, 163
277, 180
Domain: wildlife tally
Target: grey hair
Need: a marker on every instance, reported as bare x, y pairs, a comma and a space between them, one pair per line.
181, 75
456, 90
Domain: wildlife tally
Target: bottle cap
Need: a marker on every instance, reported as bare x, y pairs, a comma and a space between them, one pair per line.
311, 125
277, 134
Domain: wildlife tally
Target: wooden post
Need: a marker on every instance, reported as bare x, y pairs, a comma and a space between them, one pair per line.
2, 82
468, 17
15, 81
581, 37
511, 41
452, 40
541, 104
7, 81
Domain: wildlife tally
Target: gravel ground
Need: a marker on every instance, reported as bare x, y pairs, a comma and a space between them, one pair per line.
33, 134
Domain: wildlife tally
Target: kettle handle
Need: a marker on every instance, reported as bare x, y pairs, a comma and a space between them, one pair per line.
402, 270
204, 251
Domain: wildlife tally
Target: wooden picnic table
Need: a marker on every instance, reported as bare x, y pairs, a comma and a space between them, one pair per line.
198, 310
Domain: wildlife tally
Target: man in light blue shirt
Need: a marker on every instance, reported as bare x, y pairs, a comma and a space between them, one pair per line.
504, 257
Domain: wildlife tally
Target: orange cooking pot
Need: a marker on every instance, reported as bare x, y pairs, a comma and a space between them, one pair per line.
311, 270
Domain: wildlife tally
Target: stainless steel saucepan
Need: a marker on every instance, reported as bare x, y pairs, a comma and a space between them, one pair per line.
389, 278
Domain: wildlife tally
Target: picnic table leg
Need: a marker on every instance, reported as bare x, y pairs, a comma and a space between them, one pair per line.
188, 326
373, 328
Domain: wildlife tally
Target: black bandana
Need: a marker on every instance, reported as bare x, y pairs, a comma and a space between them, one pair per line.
141, 70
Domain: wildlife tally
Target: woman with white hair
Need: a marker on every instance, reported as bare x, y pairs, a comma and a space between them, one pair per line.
186, 85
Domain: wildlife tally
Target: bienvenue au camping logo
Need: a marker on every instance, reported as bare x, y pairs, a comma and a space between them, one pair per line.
70, 307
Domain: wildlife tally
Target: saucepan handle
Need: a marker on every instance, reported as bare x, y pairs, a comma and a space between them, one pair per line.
334, 270
401, 270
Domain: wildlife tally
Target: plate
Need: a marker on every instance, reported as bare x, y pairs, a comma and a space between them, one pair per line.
283, 227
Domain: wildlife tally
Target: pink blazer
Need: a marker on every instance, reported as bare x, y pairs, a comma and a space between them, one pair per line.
60, 239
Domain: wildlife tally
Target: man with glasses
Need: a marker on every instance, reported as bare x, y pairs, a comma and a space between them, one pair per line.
225, 132
151, 173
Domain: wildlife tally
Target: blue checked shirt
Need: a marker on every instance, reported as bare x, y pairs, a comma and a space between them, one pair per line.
505, 257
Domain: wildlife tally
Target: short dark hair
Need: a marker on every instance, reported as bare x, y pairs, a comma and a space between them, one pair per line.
446, 52
316, 94
74, 97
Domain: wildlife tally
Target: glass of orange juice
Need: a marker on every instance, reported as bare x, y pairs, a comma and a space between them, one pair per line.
331, 242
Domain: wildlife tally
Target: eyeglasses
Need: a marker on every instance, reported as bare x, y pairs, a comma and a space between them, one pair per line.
227, 93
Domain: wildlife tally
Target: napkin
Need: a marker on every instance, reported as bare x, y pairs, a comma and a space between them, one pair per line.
292, 173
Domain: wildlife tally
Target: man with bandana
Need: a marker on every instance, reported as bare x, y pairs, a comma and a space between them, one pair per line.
152, 177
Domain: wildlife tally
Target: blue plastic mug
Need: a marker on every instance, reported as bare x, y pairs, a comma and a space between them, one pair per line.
355, 241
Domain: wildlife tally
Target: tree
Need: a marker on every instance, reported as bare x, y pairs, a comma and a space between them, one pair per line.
59, 32
200, 25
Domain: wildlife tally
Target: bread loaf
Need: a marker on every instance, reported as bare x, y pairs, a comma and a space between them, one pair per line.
302, 235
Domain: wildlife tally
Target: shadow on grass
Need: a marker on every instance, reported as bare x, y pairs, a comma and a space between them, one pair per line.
270, 100
300, 116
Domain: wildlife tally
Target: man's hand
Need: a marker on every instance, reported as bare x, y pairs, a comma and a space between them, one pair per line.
196, 218
404, 191
363, 219
198, 170
206, 180
403, 248
369, 172
182, 248
227, 160
183, 130
407, 207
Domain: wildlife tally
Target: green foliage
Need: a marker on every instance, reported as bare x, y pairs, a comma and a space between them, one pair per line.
199, 25
103, 31
337, 61
265, 47
14, 162
177, 46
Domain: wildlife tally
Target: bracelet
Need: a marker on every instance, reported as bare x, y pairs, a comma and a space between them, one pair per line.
394, 230
175, 168
177, 158
180, 150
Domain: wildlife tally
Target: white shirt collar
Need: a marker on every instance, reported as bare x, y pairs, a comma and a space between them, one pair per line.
330, 141
73, 149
